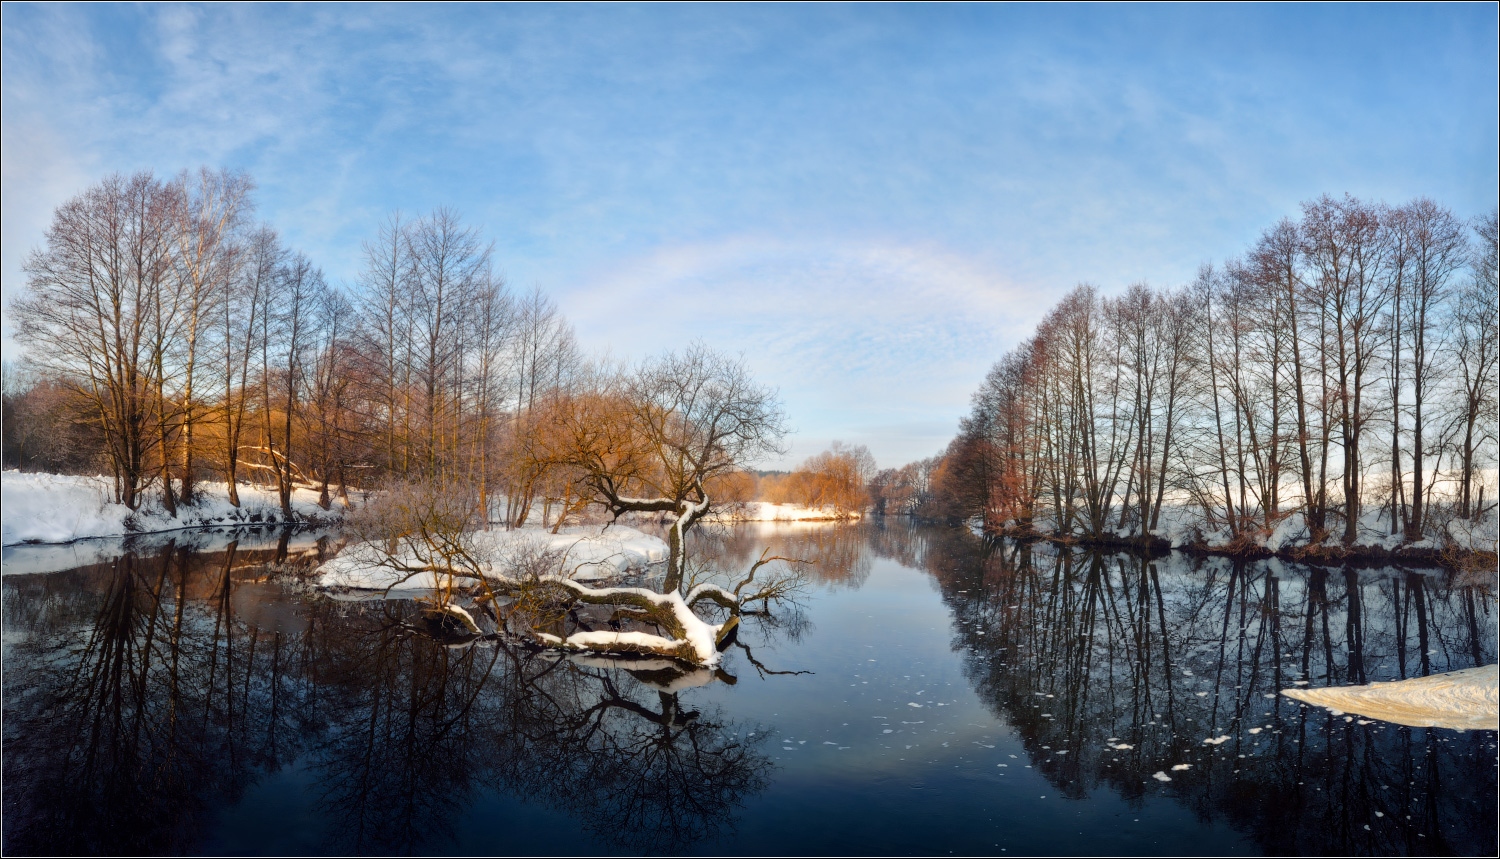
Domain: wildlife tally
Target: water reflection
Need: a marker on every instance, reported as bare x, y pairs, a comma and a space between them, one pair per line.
24, 558
835, 554
150, 694
145, 694
1130, 674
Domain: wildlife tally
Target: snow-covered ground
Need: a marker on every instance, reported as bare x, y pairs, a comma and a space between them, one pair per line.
584, 553
1467, 700
56, 508
765, 511
1184, 525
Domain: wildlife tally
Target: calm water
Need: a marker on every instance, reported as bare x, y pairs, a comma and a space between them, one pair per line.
954, 697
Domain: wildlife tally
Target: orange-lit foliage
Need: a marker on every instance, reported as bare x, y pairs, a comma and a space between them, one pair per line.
838, 477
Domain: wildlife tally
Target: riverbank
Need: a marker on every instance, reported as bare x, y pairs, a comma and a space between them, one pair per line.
60, 508
1457, 544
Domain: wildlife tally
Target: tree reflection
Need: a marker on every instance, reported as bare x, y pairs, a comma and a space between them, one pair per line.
130, 725
423, 726
1116, 667
118, 732
834, 554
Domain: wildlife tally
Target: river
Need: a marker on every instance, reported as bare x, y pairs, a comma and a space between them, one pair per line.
931, 694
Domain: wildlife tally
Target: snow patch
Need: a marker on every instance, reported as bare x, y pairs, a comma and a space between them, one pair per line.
582, 553
60, 508
1467, 700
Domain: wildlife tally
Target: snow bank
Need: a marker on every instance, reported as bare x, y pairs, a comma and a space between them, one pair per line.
56, 508
363, 566
765, 511
52, 508
583, 553
1182, 525
1467, 700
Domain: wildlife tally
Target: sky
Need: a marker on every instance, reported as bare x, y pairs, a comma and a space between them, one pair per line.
871, 204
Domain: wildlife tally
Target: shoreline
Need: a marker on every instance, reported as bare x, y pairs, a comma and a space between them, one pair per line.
1454, 559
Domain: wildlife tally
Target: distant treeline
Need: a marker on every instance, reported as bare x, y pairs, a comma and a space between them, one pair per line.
1344, 368
838, 478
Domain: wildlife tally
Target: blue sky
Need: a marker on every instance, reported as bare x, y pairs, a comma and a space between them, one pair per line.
872, 203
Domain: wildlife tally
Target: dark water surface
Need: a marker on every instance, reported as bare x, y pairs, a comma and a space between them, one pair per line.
963, 698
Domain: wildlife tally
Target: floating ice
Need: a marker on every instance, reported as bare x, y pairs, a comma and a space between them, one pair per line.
1463, 700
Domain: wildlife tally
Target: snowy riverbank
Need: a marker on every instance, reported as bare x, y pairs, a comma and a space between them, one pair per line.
56, 508
1182, 527
584, 553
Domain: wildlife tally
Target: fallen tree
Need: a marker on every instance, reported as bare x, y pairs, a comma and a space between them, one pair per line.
529, 592
648, 442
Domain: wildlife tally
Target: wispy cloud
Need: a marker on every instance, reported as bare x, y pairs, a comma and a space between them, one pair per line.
873, 201
860, 337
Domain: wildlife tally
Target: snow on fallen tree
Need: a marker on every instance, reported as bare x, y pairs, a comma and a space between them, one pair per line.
524, 596
1467, 700
539, 587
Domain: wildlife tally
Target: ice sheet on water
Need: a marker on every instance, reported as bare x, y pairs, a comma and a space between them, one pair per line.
1462, 700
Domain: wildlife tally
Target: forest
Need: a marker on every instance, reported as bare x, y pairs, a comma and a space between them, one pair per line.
1336, 383
174, 339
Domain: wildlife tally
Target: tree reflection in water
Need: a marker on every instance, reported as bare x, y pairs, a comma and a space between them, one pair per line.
144, 695
1115, 667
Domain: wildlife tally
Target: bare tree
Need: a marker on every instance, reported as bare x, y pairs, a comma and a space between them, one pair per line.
838, 477
328, 407
244, 308
385, 335
450, 268
543, 357
212, 207
1435, 250
286, 337
1277, 259
493, 325
1346, 249
91, 312
1474, 319
678, 421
